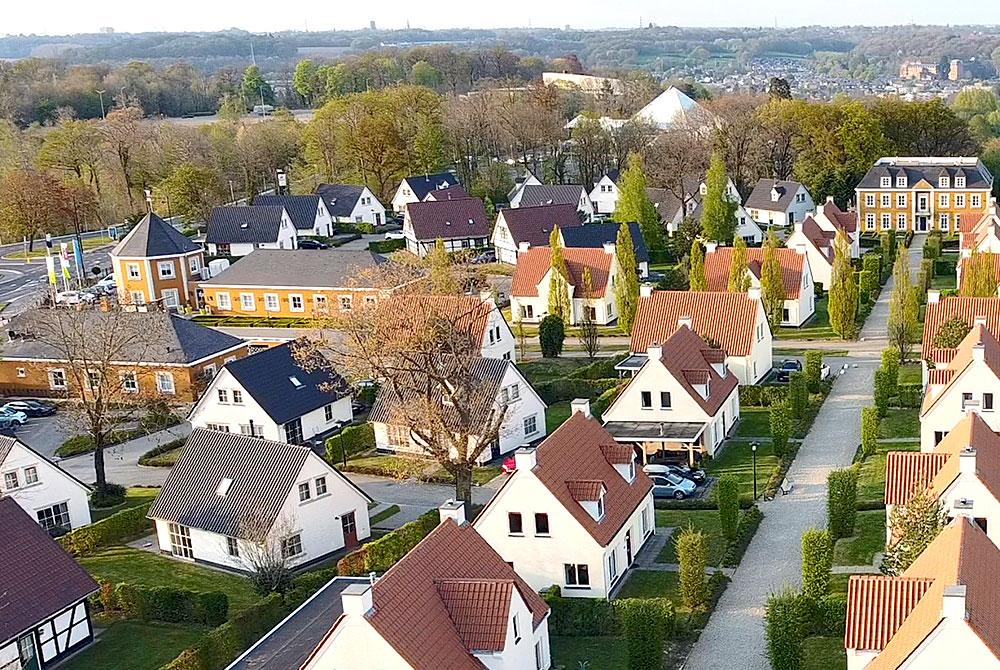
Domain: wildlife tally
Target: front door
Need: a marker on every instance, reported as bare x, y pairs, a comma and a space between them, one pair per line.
378, 218
26, 652
350, 528
922, 224
494, 450
628, 548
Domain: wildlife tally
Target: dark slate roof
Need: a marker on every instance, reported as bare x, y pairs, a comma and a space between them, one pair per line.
456, 192
153, 236
449, 219
976, 174
290, 643
169, 338
317, 268
595, 235
560, 194
534, 224
760, 197
339, 199
301, 208
262, 473
253, 225
421, 185
267, 376
38, 578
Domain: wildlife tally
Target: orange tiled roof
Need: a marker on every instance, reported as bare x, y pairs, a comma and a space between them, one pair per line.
846, 221
686, 356
533, 265
978, 336
585, 490
718, 262
906, 472
877, 607
618, 454
820, 238
968, 308
479, 609
729, 319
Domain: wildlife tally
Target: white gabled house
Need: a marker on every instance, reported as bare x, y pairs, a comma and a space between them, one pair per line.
237, 231
833, 219
682, 402
415, 189
231, 497
57, 500
502, 387
308, 213
348, 203
776, 202
461, 225
574, 513
604, 195
529, 293
269, 395
560, 194
518, 229
451, 602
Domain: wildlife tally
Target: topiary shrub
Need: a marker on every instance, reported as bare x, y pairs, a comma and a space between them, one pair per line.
727, 494
841, 502
881, 392
692, 554
551, 333
813, 369
817, 563
646, 626
783, 629
781, 428
798, 394
351, 441
890, 364
869, 431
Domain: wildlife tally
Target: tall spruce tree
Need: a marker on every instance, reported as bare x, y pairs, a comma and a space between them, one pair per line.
843, 300
627, 285
634, 205
696, 276
559, 303
739, 267
772, 281
718, 219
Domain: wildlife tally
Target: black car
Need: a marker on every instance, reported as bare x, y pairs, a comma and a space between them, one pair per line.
787, 367
31, 408
307, 243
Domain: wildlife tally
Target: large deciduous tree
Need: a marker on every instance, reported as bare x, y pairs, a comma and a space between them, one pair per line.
31, 203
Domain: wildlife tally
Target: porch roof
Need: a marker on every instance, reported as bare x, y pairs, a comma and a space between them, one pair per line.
633, 362
677, 431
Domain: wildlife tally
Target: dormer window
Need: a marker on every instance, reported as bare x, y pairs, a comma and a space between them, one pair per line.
886, 182
901, 181
703, 189
944, 182
775, 195
959, 182
631, 471
600, 507
223, 489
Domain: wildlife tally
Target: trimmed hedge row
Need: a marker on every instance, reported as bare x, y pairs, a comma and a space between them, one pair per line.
908, 396
151, 423
114, 529
386, 246
353, 439
150, 457
750, 519
602, 369
763, 396
586, 617
746, 502
385, 552
566, 388
792, 616
165, 603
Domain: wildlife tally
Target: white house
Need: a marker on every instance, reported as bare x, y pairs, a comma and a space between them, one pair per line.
415, 189
533, 195
270, 395
818, 246
962, 472
940, 613
456, 192
309, 213
600, 235
462, 225
528, 179
776, 202
965, 379
734, 321
43, 595
348, 203
233, 497
604, 195
518, 229
674, 210
529, 293
833, 219
57, 500
451, 602
502, 387
575, 512
800, 298
237, 231
682, 402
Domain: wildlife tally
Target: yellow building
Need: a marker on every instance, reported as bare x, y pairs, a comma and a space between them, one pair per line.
155, 263
922, 194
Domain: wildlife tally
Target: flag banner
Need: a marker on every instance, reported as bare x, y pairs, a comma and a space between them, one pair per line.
50, 265
78, 257
64, 263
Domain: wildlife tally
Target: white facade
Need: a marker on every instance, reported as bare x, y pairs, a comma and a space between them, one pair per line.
604, 309
972, 390
323, 224
317, 521
541, 558
498, 340
368, 209
604, 195
56, 637
287, 239
503, 242
523, 424
404, 194
820, 266
234, 409
50, 496
802, 204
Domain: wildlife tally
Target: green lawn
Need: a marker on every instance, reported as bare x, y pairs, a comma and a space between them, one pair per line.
40, 252
823, 653
652, 584
817, 328
134, 496
944, 282
737, 459
555, 415
389, 511
136, 645
900, 423
385, 465
599, 653
871, 478
707, 521
754, 422
909, 374
167, 459
539, 370
869, 539
125, 564
838, 584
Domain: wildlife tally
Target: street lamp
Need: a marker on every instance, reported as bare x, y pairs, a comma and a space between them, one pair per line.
101, 93
753, 450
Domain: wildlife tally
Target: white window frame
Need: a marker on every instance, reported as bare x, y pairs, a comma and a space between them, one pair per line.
11, 481
292, 298
165, 383
944, 200
944, 221
886, 222
943, 182
294, 540
138, 297
222, 395
224, 301
870, 221
321, 486
885, 182
870, 200
22, 373
328, 412
975, 200
30, 475
171, 270
132, 271
248, 302
305, 492
193, 264
900, 181
900, 200
901, 221
52, 375
960, 200
171, 297
129, 380
237, 397
886, 200
959, 182
345, 302
272, 302
530, 424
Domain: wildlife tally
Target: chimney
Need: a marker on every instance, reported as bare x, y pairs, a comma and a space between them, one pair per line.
452, 509
829, 198
645, 290
654, 351
953, 603
710, 247
978, 353
979, 321
581, 405
609, 248
967, 461
933, 296
754, 293
522, 247
357, 599
525, 459
685, 321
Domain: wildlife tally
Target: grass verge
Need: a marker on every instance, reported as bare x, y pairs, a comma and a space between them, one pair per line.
868, 540
707, 521
136, 645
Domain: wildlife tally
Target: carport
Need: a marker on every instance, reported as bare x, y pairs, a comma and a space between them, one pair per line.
660, 438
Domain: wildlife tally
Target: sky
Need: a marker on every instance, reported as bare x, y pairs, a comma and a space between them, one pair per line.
59, 17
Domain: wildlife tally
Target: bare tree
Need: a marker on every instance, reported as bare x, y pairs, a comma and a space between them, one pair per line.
264, 551
589, 334
124, 134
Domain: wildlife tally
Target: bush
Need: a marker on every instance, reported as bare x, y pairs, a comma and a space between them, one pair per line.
580, 617
727, 493
763, 396
783, 631
598, 406
150, 457
646, 626
881, 391
386, 246
890, 363
271, 579
308, 583
817, 563
932, 247
566, 388
601, 369
383, 553
813, 369
869, 431
113, 530
353, 440
951, 333
944, 267
909, 395
109, 495
169, 604
750, 520
692, 554
841, 502
781, 427
798, 394
551, 333
868, 285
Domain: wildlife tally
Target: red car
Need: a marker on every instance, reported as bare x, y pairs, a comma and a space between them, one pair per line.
508, 465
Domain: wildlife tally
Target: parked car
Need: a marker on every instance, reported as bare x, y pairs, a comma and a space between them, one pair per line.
17, 417
74, 297
306, 243
787, 367
509, 465
107, 282
8, 426
489, 256
30, 407
672, 486
697, 476
395, 235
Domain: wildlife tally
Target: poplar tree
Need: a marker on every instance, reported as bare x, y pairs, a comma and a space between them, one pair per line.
903, 326
559, 303
979, 278
772, 281
634, 204
718, 218
627, 285
843, 302
739, 267
697, 275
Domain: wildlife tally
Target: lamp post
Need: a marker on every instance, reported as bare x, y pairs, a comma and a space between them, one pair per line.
753, 450
101, 93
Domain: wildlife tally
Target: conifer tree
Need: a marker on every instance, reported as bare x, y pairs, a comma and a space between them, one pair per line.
627, 285
559, 303
697, 275
718, 218
979, 278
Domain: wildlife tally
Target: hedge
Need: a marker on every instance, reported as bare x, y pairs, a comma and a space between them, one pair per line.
353, 439
817, 562
784, 631
944, 267
602, 369
869, 431
763, 396
727, 494
566, 388
383, 553
646, 626
597, 407
166, 603
697, 503
386, 246
692, 556
750, 520
841, 502
814, 370
82, 444
149, 458
113, 530
588, 617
